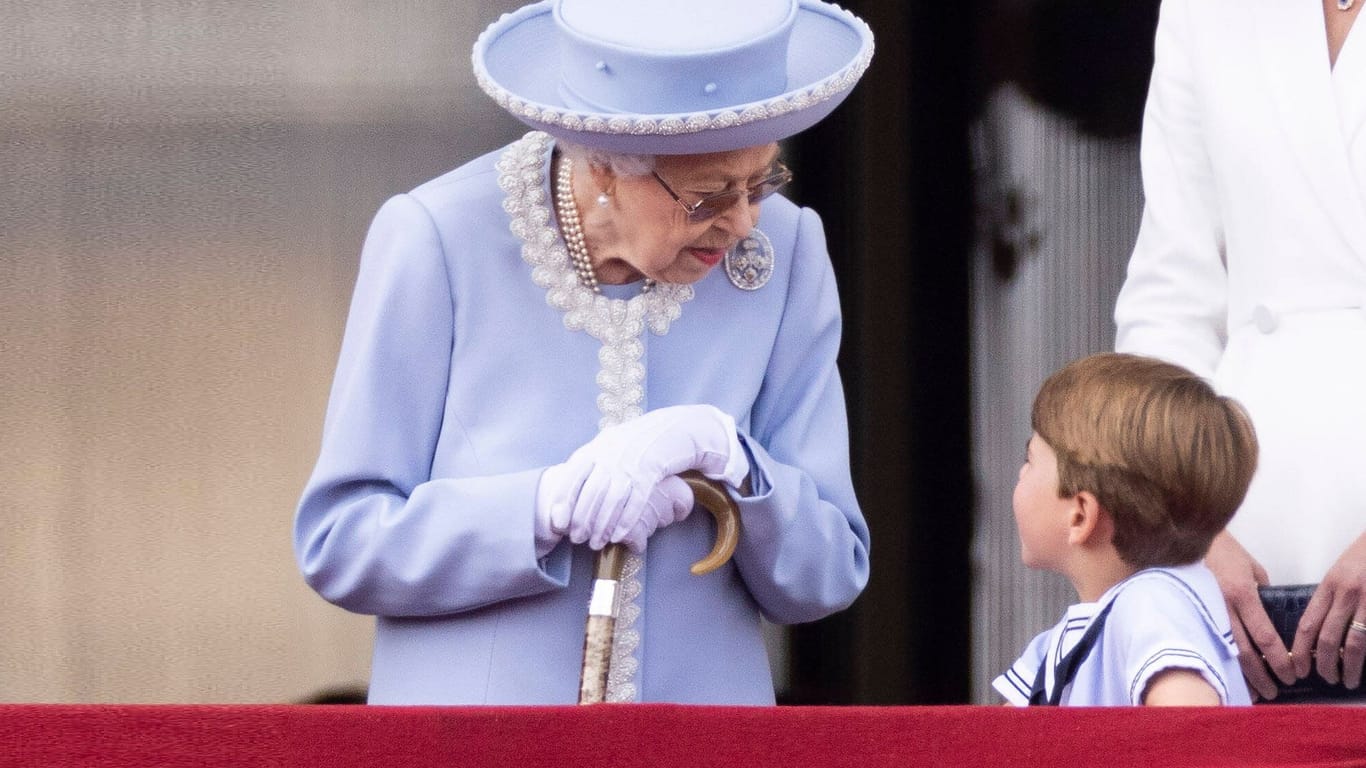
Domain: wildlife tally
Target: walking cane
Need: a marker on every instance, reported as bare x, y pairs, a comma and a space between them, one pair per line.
602, 606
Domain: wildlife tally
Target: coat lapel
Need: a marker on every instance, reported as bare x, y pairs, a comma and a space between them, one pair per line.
1293, 54
1349, 76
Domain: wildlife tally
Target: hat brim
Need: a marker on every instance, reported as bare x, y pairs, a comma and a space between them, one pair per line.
516, 62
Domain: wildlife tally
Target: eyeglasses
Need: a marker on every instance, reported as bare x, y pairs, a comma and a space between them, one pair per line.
714, 205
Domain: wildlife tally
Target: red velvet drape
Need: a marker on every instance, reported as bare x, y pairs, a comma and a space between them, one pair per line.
322, 736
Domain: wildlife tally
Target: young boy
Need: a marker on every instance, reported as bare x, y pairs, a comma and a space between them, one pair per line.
1133, 467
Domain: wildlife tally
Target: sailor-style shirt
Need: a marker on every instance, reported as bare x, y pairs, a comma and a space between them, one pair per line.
1158, 619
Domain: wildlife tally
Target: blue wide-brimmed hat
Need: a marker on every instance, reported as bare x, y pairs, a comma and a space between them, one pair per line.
670, 77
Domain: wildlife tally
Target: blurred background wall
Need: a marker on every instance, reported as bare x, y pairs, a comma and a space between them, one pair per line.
1058, 198
183, 191
184, 187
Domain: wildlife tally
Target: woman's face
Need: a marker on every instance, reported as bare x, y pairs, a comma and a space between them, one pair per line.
645, 232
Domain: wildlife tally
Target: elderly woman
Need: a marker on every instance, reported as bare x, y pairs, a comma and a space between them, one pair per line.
540, 341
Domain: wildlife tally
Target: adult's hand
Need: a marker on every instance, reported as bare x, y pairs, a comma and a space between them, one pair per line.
628, 461
671, 501
1259, 647
1326, 627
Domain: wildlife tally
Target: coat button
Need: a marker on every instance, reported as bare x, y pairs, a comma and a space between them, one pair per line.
1264, 319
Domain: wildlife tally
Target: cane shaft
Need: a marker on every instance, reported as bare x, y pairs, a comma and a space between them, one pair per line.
601, 624
597, 659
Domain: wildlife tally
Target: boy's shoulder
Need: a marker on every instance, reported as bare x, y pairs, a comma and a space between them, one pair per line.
1182, 599
1171, 617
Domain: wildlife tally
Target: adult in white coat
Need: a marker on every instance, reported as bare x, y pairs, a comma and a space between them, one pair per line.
1250, 269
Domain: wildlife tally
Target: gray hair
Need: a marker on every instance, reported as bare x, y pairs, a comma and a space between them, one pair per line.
619, 163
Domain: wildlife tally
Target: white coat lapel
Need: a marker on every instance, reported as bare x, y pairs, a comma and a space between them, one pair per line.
1349, 83
1293, 54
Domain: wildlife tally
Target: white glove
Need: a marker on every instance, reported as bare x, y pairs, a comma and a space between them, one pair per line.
629, 460
670, 502
555, 496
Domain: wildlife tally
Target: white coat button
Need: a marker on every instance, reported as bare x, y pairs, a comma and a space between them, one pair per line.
1264, 319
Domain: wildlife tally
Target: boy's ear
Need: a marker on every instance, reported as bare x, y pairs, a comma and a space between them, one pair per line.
1087, 522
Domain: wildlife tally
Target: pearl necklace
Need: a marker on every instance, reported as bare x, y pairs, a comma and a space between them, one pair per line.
1346, 5
571, 228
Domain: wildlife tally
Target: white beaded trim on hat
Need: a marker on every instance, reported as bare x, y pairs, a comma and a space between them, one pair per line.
677, 125
523, 170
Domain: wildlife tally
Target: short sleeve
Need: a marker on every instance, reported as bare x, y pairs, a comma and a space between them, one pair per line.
1165, 625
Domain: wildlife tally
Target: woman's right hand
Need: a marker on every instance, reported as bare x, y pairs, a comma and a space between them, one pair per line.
1259, 646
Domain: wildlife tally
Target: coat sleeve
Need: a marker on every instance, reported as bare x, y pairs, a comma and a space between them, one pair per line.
1173, 304
804, 548
374, 533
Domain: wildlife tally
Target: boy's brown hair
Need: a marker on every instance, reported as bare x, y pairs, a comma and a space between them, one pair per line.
1166, 456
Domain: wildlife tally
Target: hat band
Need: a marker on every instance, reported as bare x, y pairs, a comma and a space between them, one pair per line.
604, 84
674, 125
602, 76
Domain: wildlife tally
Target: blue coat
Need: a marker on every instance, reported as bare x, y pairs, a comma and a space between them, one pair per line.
458, 384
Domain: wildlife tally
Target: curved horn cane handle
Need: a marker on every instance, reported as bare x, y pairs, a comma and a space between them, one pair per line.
714, 498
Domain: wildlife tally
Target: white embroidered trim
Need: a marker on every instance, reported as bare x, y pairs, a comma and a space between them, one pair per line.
621, 673
674, 125
618, 323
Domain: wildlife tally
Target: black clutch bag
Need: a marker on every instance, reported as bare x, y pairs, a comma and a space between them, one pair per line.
1285, 605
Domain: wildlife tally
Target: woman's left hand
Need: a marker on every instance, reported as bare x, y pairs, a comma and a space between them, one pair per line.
626, 462
1326, 633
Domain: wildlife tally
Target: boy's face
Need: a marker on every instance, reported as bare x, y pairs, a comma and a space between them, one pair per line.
1040, 514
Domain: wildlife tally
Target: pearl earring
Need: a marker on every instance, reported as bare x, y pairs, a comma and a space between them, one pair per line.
603, 199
